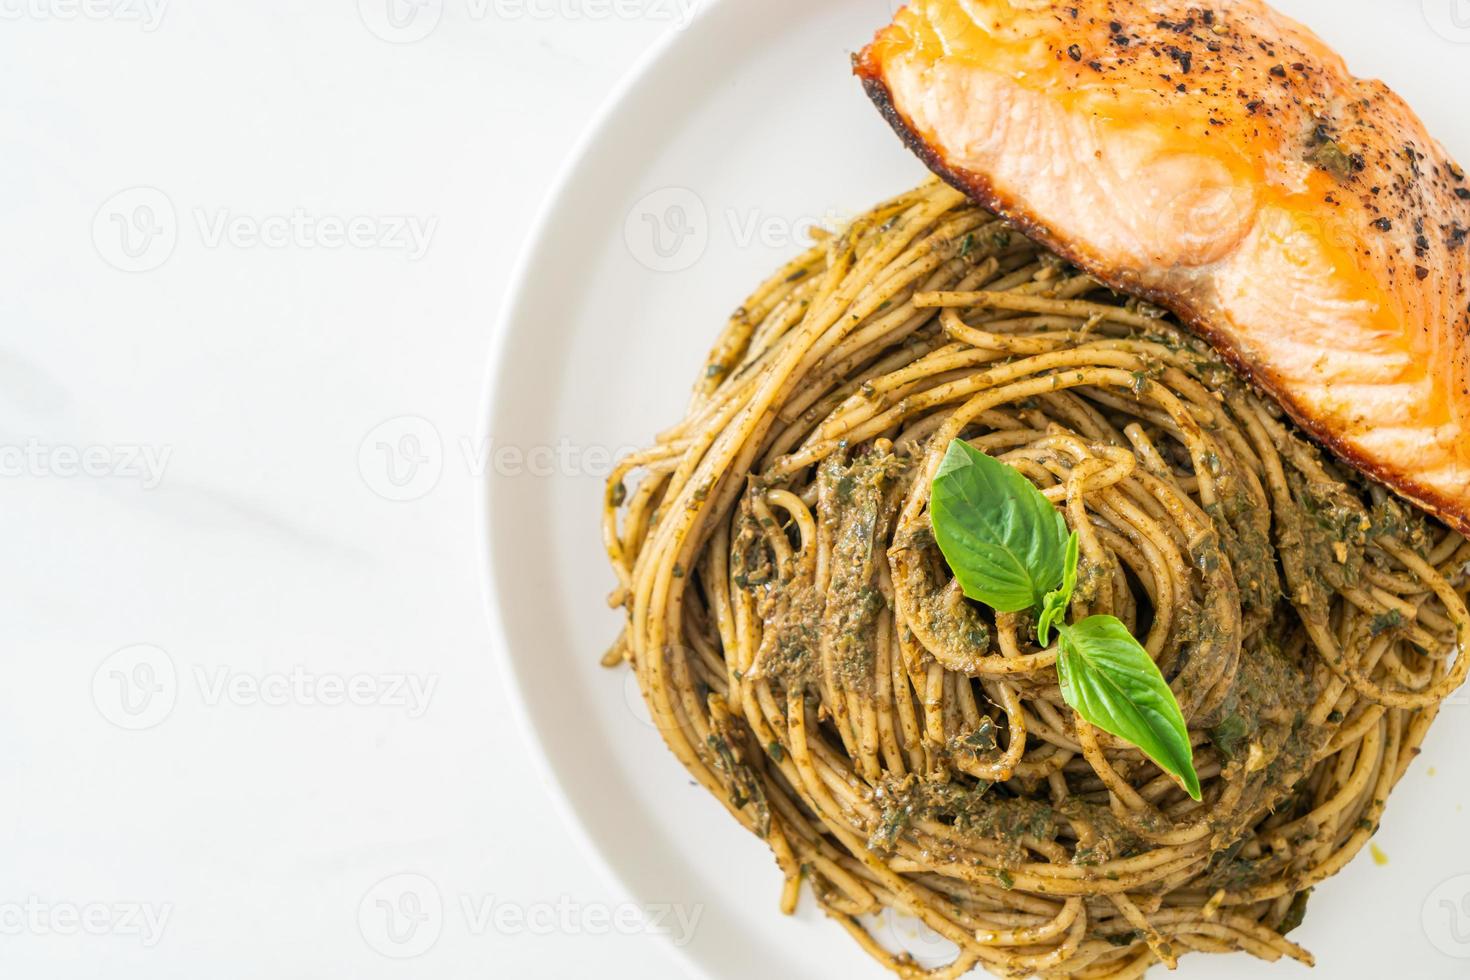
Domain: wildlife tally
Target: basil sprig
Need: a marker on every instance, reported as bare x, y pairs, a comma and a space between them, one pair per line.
1009, 548
1054, 606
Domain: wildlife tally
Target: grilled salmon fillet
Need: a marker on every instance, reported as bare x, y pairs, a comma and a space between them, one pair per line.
1220, 161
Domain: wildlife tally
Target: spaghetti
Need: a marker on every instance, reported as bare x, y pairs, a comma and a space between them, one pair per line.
807, 655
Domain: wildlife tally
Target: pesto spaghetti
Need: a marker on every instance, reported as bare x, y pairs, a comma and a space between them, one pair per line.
811, 659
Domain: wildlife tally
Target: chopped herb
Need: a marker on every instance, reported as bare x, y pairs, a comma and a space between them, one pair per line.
1382, 623
1230, 735
1295, 914
1331, 157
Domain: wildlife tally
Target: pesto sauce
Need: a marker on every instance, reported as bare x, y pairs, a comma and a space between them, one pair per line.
856, 506
952, 623
980, 812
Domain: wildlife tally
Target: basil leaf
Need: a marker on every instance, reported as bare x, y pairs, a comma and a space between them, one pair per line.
1054, 606
1109, 679
1002, 538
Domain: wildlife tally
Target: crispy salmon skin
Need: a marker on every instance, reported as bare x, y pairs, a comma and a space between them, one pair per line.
1223, 162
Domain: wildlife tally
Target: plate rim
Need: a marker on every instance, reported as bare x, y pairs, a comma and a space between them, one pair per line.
528, 261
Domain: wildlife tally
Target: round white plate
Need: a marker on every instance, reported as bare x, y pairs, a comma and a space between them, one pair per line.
704, 173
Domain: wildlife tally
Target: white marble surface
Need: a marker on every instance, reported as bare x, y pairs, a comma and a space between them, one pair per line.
185, 468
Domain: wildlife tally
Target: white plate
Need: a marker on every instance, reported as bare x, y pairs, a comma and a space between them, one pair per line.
738, 133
